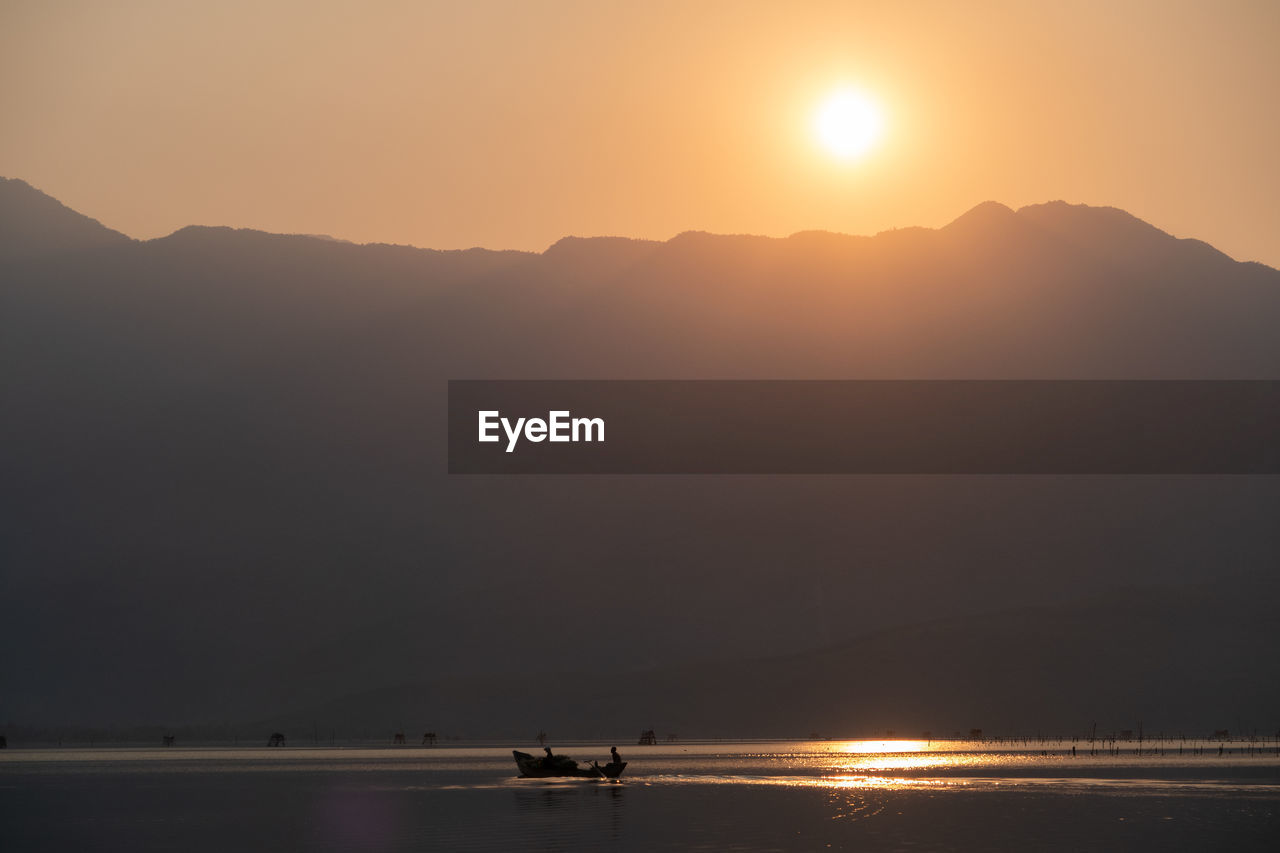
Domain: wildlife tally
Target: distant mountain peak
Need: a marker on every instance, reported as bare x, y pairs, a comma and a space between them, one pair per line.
1112, 233
33, 223
572, 245
984, 214
1061, 214
599, 256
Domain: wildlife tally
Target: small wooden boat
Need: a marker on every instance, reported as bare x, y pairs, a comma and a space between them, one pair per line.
541, 767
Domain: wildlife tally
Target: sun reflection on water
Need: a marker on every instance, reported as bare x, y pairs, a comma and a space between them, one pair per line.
878, 756
882, 746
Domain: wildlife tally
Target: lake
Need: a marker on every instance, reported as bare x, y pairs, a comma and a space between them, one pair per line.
755, 796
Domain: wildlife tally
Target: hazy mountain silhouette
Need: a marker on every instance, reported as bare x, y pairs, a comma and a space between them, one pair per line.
223, 455
32, 223
1177, 659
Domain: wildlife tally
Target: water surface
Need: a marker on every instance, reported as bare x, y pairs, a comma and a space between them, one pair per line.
807, 795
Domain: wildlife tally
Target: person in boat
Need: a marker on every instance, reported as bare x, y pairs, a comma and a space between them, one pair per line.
614, 757
557, 763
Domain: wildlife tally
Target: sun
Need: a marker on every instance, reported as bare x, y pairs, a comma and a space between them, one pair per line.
848, 124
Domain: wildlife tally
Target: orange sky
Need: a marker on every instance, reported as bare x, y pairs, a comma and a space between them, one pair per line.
509, 125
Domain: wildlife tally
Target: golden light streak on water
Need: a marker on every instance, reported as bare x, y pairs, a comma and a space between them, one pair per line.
882, 746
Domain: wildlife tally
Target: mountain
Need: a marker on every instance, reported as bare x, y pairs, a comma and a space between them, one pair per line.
223, 464
32, 223
1176, 659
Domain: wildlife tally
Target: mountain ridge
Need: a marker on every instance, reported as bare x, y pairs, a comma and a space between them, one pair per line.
984, 216
225, 479
33, 223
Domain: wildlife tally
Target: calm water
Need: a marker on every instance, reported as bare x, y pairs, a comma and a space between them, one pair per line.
714, 797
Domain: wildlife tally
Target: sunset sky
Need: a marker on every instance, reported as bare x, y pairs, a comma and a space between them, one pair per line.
512, 124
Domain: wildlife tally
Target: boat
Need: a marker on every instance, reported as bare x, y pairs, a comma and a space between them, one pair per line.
542, 767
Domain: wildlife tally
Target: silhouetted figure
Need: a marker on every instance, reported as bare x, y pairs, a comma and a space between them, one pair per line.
613, 755
547, 750
276, 739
